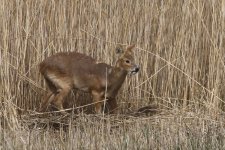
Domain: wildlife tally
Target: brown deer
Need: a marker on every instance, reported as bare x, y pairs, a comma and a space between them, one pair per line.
67, 70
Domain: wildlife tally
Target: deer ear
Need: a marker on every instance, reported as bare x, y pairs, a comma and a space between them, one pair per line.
130, 47
119, 50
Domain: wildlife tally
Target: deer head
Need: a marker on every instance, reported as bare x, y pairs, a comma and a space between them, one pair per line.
126, 60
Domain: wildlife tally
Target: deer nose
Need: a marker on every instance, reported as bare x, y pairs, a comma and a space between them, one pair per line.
137, 69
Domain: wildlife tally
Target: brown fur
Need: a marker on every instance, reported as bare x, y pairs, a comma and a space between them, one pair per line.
67, 70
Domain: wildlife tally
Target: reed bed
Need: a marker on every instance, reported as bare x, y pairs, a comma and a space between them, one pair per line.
179, 46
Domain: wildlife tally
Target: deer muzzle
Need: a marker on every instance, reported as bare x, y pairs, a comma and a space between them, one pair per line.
135, 70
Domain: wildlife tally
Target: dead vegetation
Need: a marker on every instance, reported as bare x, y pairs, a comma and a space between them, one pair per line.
180, 49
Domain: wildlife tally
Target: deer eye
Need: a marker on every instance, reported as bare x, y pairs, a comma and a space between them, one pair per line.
127, 61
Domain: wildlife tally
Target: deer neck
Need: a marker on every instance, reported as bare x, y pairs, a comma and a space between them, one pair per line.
118, 73
116, 78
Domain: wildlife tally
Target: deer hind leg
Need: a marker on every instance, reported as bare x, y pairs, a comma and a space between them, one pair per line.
45, 102
50, 95
59, 87
59, 99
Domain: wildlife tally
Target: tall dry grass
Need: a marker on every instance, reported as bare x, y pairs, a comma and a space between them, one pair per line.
180, 48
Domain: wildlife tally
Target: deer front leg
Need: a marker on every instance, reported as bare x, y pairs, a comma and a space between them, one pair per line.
113, 107
97, 99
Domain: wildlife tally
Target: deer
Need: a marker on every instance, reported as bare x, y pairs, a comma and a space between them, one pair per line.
65, 71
